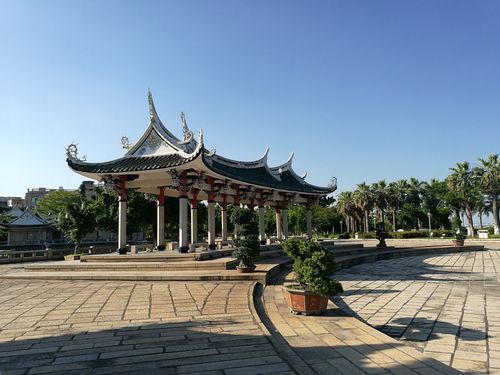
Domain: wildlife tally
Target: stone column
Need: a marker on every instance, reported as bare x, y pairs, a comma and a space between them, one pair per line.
224, 222
194, 224
262, 233
309, 222
183, 225
183, 213
122, 212
278, 224
285, 223
160, 220
211, 225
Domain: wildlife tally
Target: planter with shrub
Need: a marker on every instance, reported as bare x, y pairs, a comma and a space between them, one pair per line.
312, 265
247, 239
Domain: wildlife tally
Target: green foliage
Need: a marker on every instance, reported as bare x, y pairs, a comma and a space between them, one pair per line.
76, 220
57, 202
366, 236
105, 206
246, 232
344, 236
312, 265
3, 233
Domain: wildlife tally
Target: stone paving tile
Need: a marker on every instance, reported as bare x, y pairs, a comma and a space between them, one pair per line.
445, 306
348, 346
132, 327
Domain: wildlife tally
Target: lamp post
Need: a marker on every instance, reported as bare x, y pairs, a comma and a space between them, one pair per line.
430, 229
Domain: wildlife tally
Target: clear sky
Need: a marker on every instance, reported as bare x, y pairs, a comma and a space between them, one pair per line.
360, 90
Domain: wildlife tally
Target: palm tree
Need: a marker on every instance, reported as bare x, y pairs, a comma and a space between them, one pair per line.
488, 172
347, 208
462, 180
363, 198
397, 193
380, 191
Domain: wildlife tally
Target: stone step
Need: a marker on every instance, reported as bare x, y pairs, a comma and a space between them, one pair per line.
266, 268
218, 264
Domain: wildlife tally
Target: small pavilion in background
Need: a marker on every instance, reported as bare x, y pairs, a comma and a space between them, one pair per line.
161, 164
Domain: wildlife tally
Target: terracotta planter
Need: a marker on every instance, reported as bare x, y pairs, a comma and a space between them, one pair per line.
245, 269
304, 301
458, 243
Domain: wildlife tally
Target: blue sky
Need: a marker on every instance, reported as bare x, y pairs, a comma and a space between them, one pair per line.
360, 90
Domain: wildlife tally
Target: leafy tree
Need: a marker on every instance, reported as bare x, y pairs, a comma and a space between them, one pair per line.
312, 265
141, 210
396, 196
76, 220
56, 202
297, 218
347, 208
105, 206
488, 172
363, 197
380, 193
3, 233
247, 239
270, 220
462, 181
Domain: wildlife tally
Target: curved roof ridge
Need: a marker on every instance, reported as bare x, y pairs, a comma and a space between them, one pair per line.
187, 145
28, 218
261, 162
287, 165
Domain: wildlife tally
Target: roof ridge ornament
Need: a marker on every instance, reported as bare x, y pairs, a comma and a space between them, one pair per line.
125, 143
72, 152
152, 110
304, 175
187, 134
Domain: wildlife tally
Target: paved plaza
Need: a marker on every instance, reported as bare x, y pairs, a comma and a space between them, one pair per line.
446, 306
430, 312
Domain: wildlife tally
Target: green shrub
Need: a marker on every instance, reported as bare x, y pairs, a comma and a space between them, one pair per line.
247, 239
345, 236
368, 235
312, 265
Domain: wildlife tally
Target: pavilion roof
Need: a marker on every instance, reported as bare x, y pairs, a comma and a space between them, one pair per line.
159, 150
28, 218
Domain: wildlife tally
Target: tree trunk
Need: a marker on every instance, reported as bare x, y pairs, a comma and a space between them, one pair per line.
367, 225
394, 220
470, 223
77, 248
496, 220
480, 220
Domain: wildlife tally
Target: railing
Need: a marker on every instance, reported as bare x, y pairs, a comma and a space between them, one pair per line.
32, 255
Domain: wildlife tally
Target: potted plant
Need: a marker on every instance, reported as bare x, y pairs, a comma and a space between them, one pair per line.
312, 265
459, 239
381, 234
247, 240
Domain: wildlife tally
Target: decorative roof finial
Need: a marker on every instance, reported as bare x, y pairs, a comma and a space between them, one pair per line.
125, 143
72, 152
152, 109
188, 134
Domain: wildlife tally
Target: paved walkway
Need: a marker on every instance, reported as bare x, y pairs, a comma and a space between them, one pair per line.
446, 306
122, 327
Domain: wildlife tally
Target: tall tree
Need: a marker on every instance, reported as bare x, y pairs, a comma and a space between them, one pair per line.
488, 172
347, 208
363, 198
379, 190
396, 196
462, 180
76, 220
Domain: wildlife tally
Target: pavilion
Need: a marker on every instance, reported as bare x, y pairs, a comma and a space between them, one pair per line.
161, 164
28, 228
